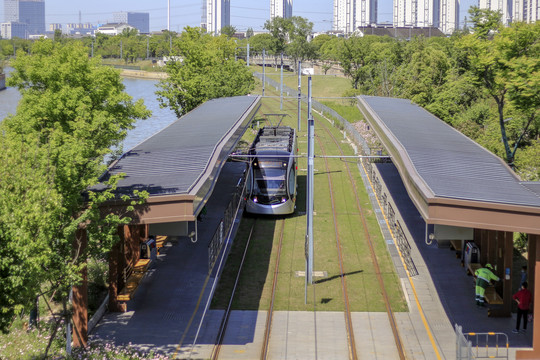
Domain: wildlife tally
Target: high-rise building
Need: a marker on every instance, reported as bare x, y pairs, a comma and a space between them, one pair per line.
449, 16
526, 10
442, 14
280, 8
216, 15
139, 20
349, 15
504, 6
29, 12
13, 29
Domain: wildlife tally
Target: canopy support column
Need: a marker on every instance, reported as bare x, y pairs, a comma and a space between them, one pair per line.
534, 272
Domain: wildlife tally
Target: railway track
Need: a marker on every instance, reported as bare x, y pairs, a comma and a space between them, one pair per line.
268, 326
369, 241
348, 319
223, 326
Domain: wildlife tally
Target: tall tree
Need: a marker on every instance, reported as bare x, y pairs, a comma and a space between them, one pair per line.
507, 66
72, 112
206, 70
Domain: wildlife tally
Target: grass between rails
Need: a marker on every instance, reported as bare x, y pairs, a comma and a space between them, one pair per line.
256, 279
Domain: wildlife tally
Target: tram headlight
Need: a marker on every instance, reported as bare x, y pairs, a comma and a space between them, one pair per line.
255, 200
283, 199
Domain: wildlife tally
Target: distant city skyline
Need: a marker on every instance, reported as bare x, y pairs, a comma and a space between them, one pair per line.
244, 13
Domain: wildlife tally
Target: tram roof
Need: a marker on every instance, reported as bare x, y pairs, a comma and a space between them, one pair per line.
438, 162
185, 158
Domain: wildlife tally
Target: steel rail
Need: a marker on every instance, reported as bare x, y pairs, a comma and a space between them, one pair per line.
225, 319
390, 313
270, 313
348, 319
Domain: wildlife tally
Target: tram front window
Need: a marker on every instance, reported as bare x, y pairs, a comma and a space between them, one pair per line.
270, 182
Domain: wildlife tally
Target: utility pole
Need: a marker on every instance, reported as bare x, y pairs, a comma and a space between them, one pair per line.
309, 200
169, 15
281, 87
264, 68
299, 94
247, 54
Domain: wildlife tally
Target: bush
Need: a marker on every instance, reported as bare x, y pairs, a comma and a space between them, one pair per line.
98, 271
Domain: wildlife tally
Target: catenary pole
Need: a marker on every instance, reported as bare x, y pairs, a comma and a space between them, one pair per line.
299, 95
264, 67
281, 87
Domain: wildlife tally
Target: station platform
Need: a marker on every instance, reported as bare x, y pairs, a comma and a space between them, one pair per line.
165, 313
447, 293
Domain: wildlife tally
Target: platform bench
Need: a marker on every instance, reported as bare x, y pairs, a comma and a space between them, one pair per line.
492, 297
132, 277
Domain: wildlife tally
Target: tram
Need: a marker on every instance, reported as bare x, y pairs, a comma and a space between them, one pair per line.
271, 180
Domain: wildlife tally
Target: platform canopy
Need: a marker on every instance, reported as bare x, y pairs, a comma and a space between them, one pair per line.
451, 179
179, 165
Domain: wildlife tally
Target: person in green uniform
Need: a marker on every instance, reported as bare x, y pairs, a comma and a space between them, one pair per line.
483, 278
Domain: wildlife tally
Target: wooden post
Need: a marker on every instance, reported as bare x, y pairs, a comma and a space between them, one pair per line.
80, 299
506, 249
491, 249
482, 247
534, 276
508, 255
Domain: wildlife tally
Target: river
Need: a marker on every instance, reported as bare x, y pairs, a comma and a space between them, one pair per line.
137, 88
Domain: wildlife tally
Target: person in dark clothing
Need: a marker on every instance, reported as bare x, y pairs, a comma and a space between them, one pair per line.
524, 299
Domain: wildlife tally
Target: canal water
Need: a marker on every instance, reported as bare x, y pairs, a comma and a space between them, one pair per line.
137, 88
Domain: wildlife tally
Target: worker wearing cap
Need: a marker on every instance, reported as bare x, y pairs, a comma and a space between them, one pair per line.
483, 278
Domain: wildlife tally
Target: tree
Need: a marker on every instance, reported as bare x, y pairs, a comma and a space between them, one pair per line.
249, 32
300, 48
72, 112
260, 42
228, 30
207, 70
507, 67
280, 29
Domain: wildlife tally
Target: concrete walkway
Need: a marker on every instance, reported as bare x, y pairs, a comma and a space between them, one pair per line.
165, 313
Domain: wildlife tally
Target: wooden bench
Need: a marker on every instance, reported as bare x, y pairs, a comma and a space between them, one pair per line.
132, 277
472, 267
492, 297
457, 245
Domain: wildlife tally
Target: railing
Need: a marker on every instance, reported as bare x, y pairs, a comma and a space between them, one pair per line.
224, 226
488, 345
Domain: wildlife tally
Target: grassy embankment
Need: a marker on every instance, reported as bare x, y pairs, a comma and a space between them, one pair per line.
325, 295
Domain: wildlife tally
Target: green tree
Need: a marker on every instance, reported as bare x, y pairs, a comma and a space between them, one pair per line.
280, 30
72, 112
507, 68
207, 70
228, 30
300, 47
260, 42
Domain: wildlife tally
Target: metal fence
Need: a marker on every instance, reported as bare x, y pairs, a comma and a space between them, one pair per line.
224, 227
488, 345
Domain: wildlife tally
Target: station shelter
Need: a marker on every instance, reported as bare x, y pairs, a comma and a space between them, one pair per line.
178, 167
463, 192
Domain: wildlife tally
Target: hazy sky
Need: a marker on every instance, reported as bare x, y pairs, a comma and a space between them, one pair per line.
244, 13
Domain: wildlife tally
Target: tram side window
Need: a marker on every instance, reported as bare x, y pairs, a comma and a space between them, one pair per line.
292, 181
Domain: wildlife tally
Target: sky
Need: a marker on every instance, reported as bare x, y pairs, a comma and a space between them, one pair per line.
244, 13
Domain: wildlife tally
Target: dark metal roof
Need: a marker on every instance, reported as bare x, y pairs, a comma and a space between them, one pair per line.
450, 164
173, 161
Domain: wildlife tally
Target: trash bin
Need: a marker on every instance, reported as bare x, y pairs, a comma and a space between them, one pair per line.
145, 250
472, 254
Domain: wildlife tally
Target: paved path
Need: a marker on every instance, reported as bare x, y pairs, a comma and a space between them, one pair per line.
160, 317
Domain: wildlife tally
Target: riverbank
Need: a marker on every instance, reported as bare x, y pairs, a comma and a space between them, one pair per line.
2, 81
141, 74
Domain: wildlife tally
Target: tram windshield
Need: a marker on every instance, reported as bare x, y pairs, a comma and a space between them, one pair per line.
270, 177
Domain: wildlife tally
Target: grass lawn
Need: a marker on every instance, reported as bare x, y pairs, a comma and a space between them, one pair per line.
325, 295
